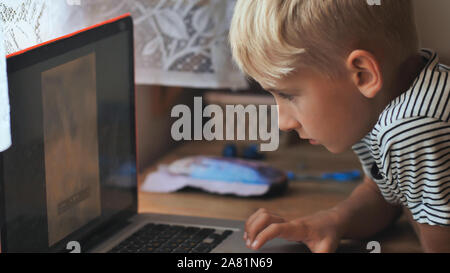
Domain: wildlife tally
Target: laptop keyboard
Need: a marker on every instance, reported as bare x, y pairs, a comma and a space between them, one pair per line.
162, 238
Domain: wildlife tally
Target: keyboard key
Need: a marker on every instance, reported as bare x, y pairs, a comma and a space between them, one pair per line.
202, 248
153, 244
191, 230
189, 244
164, 250
227, 233
181, 250
208, 240
149, 249
203, 234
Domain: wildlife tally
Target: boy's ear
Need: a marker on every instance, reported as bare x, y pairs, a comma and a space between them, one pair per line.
365, 72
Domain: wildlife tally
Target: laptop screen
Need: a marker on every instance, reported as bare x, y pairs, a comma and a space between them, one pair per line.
72, 165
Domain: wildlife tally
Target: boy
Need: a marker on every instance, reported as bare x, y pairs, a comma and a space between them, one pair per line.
347, 74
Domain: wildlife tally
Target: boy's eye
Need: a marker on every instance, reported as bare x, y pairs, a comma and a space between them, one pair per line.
286, 96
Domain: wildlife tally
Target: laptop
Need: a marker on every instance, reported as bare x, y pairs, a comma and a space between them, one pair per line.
68, 183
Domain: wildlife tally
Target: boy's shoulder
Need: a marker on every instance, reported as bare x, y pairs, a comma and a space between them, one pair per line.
427, 101
416, 114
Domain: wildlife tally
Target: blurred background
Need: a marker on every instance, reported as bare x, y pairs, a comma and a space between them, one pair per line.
181, 52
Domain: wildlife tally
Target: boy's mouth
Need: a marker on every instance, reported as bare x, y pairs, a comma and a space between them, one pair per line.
312, 141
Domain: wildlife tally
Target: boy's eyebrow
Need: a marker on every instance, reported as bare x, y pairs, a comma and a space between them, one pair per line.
278, 90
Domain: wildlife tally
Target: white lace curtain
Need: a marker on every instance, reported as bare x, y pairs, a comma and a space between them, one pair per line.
5, 132
177, 42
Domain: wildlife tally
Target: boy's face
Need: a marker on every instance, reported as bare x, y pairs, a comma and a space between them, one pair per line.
333, 113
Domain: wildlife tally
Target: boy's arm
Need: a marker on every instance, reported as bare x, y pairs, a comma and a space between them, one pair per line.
361, 215
434, 238
365, 212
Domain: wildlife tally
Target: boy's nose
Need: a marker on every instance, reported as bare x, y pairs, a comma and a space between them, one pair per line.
285, 121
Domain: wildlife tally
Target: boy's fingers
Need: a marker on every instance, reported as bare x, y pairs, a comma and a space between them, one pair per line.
254, 216
255, 225
251, 220
292, 231
258, 213
324, 246
271, 232
260, 223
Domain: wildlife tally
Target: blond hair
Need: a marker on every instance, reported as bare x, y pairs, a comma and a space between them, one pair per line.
271, 38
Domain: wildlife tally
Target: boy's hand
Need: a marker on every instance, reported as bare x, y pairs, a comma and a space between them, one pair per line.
319, 232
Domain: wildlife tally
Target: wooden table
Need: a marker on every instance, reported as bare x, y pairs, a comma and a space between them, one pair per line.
300, 199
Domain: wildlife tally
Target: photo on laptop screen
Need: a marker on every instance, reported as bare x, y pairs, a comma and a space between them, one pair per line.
71, 145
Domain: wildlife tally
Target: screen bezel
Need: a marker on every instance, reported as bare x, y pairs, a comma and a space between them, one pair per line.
91, 234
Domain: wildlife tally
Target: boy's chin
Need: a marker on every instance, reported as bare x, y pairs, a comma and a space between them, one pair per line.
335, 149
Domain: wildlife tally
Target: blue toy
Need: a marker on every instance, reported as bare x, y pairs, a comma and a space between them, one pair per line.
250, 152
336, 176
230, 150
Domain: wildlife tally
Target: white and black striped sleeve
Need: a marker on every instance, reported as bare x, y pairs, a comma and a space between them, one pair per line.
416, 161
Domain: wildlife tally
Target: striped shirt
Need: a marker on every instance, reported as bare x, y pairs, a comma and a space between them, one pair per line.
407, 153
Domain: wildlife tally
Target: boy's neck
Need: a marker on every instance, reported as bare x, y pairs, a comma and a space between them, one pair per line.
408, 72
404, 77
